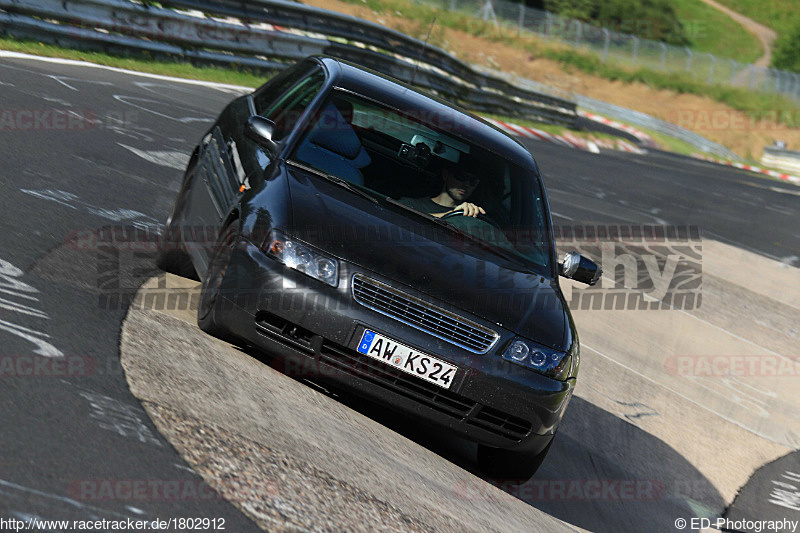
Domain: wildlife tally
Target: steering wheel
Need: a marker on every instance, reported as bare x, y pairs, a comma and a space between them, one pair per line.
481, 217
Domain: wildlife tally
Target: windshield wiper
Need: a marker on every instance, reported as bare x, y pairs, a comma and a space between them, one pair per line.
338, 181
422, 214
444, 223
490, 247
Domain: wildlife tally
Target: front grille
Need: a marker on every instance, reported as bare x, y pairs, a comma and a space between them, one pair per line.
422, 315
353, 363
442, 400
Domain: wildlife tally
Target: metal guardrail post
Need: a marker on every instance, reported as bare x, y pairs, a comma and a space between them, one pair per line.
711, 68
549, 17
635, 49
688, 59
606, 42
796, 86
486, 12
663, 62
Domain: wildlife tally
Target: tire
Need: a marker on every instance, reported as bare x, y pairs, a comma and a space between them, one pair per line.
172, 256
210, 297
510, 466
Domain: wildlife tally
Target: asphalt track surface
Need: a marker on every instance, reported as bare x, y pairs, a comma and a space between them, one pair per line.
61, 435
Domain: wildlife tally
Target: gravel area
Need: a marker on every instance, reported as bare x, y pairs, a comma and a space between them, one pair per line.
275, 489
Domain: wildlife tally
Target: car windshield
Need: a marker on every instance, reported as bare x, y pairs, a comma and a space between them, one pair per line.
427, 168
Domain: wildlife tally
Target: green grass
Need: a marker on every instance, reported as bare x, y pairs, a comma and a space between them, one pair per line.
232, 75
670, 144
709, 30
780, 15
737, 98
714, 32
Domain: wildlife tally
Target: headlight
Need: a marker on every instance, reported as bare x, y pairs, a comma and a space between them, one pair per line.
302, 257
551, 363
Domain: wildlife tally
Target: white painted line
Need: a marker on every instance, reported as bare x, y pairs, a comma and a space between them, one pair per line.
171, 159
74, 62
183, 120
7, 486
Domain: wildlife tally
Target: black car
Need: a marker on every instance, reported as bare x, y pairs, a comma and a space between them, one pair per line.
309, 211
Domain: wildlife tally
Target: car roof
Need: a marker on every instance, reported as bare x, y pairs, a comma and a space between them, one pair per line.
431, 109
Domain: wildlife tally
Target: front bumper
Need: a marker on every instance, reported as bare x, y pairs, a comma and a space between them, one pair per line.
315, 329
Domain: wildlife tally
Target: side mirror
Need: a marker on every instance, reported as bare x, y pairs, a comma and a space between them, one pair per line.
260, 130
580, 268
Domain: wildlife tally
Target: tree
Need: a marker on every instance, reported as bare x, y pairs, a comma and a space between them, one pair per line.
649, 19
787, 50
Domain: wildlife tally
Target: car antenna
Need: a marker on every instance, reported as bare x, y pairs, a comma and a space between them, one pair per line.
421, 50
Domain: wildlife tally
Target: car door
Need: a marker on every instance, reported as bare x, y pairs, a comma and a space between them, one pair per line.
227, 160
213, 190
269, 101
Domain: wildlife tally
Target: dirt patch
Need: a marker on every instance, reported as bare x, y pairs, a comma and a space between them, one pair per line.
745, 134
767, 36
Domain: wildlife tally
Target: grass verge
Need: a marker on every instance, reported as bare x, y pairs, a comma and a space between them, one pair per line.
178, 69
716, 33
779, 15
739, 99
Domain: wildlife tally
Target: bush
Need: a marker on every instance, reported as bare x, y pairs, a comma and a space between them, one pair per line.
787, 50
650, 19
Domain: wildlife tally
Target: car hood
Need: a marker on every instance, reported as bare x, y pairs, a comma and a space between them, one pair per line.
426, 257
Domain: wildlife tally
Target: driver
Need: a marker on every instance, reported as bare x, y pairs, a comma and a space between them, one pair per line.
456, 189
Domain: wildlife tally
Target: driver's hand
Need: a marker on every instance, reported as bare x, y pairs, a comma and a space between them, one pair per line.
470, 210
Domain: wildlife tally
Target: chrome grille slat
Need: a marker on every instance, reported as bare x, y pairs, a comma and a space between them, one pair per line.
420, 314
479, 334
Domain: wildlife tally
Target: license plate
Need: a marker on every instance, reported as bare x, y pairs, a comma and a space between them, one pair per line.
407, 359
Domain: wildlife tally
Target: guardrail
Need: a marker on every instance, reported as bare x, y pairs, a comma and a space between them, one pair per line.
781, 158
661, 126
245, 33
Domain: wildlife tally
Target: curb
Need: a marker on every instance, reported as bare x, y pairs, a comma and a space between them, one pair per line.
751, 168
564, 139
642, 136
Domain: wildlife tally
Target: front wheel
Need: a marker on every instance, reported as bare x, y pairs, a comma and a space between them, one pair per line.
509, 465
210, 297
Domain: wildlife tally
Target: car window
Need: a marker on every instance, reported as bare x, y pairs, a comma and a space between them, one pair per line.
265, 96
286, 111
404, 157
